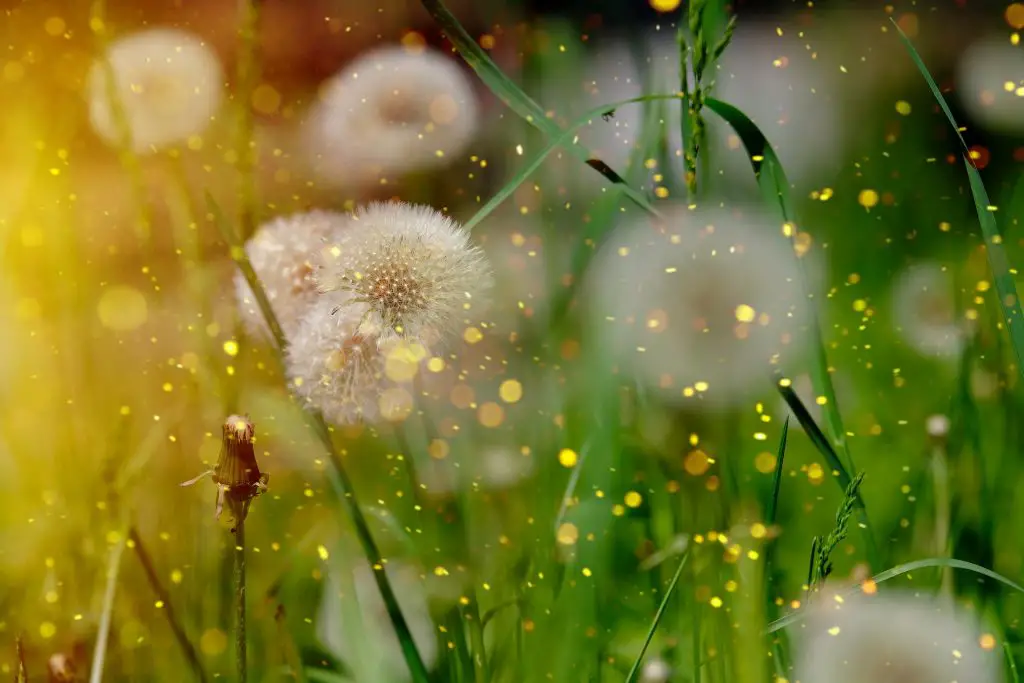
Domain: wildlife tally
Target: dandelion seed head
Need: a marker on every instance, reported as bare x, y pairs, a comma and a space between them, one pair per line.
666, 307
924, 311
169, 82
990, 84
283, 254
411, 268
893, 638
390, 112
335, 366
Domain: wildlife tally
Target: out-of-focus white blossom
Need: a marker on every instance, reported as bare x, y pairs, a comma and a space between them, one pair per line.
411, 269
492, 468
168, 81
892, 638
391, 111
703, 309
656, 670
284, 253
924, 311
990, 84
356, 628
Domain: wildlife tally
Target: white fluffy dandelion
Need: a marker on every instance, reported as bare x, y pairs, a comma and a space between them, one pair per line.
335, 368
990, 84
411, 268
364, 637
703, 309
924, 311
169, 82
893, 638
284, 254
390, 112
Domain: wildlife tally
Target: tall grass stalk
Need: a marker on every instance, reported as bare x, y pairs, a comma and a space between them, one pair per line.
337, 474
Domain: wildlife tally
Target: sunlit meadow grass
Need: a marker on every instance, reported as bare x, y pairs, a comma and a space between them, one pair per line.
530, 506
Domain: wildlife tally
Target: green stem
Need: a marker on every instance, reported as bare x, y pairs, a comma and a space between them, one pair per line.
241, 663
337, 475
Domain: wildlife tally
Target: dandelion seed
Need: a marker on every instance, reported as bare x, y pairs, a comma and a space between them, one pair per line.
410, 268
391, 112
283, 254
169, 82
892, 638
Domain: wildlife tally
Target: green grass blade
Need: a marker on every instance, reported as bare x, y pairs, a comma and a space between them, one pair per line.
635, 671
770, 516
1014, 676
899, 570
843, 476
773, 503
517, 100
1002, 274
564, 137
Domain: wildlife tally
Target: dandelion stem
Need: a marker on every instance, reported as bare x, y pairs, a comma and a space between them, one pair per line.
338, 476
240, 649
164, 597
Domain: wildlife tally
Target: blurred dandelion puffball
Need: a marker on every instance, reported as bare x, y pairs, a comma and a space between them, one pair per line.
343, 372
892, 638
703, 308
390, 112
364, 637
990, 84
169, 83
283, 254
410, 269
924, 311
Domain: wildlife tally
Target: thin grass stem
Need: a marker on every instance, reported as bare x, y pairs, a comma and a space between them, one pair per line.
168, 609
107, 612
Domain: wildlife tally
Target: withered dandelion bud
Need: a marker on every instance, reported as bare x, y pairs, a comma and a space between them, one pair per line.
61, 668
236, 475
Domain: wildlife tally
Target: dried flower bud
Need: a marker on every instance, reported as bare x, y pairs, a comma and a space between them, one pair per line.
236, 475
61, 668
